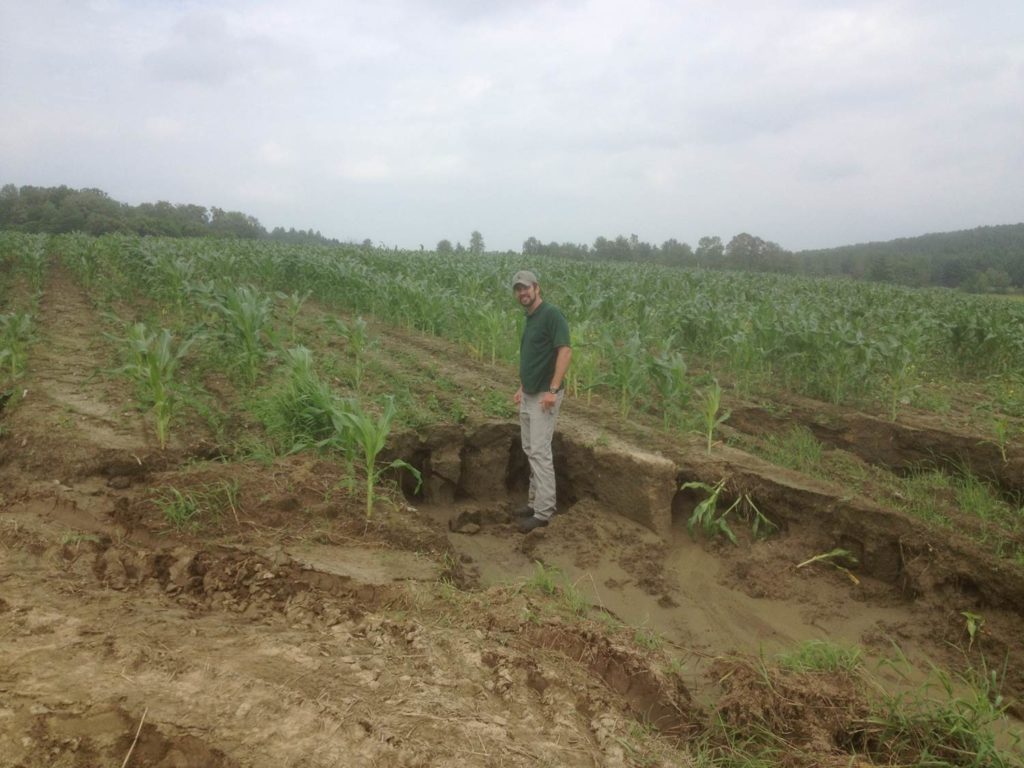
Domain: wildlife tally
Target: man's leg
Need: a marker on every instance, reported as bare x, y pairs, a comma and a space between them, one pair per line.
525, 435
541, 427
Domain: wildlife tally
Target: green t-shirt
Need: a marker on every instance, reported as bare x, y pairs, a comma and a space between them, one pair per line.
546, 330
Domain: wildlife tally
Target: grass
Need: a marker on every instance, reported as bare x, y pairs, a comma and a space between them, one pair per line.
937, 496
822, 656
76, 537
778, 713
797, 448
648, 639
550, 581
190, 510
947, 721
181, 510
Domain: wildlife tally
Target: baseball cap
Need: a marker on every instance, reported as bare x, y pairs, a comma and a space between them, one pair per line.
524, 277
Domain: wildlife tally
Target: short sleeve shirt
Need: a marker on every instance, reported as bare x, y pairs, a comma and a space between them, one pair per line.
546, 330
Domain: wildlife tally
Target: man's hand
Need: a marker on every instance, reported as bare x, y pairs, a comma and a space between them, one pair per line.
547, 401
517, 398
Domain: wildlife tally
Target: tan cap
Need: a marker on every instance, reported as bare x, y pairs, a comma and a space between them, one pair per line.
524, 277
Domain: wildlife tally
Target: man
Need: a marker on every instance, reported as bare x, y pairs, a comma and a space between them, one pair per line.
544, 355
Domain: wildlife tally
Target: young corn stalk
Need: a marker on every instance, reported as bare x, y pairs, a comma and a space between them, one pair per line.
247, 314
368, 436
491, 328
357, 338
302, 412
668, 371
292, 306
586, 358
16, 333
1002, 433
153, 362
705, 514
628, 373
900, 373
710, 411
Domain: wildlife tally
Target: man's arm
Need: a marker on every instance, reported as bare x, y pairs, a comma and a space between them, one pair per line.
561, 366
548, 399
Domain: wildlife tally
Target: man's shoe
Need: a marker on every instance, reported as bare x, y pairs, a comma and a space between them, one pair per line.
529, 523
524, 511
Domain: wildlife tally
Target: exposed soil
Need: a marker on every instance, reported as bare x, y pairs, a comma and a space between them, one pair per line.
289, 630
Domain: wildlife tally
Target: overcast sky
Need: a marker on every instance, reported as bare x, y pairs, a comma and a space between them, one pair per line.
811, 123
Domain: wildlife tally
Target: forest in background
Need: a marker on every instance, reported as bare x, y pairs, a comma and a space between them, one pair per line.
987, 259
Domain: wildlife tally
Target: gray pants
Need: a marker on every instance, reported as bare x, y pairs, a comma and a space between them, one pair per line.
538, 427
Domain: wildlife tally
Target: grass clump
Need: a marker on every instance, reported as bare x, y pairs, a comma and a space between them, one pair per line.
189, 510
821, 656
945, 722
797, 448
552, 582
818, 705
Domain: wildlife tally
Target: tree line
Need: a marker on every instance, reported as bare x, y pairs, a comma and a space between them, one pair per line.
982, 260
57, 210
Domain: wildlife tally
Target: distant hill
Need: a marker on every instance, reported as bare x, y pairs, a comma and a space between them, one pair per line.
985, 259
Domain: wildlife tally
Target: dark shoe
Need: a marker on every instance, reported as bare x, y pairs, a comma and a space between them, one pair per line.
524, 511
527, 524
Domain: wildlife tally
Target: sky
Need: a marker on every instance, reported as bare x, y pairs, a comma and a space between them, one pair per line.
808, 123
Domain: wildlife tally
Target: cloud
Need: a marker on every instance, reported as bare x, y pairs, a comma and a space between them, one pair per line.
804, 122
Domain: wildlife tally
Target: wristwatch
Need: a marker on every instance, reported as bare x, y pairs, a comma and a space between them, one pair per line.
554, 390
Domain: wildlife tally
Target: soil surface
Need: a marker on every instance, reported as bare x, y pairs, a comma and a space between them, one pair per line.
290, 630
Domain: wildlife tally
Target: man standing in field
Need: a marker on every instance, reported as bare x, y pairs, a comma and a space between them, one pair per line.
544, 355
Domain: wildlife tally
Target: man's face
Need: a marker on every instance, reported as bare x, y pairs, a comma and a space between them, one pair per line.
526, 295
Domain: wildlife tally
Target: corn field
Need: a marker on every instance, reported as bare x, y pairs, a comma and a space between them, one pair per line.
640, 332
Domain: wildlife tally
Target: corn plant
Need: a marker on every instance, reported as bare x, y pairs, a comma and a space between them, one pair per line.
668, 372
628, 372
492, 329
302, 412
584, 372
711, 411
358, 342
292, 306
1002, 433
153, 362
836, 558
246, 314
706, 516
897, 360
16, 334
32, 262
368, 436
